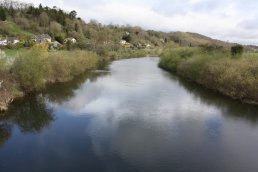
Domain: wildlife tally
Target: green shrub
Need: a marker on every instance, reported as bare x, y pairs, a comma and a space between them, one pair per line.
237, 50
237, 78
206, 48
64, 65
172, 58
60, 38
31, 70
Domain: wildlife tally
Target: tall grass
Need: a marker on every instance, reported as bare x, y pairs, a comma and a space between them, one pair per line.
217, 70
31, 70
64, 65
34, 68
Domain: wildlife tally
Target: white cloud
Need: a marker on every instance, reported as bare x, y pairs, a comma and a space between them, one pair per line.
221, 19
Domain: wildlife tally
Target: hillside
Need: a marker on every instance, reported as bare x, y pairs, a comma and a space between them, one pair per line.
23, 20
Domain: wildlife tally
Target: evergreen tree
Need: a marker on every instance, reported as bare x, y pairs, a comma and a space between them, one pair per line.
2, 14
11, 11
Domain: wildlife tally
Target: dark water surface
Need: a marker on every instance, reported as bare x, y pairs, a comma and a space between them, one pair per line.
134, 117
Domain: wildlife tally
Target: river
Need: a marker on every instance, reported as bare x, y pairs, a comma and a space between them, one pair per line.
131, 117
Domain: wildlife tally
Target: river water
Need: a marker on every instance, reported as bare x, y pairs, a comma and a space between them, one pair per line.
130, 117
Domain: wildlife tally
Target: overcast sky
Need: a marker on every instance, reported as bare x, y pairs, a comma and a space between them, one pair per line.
233, 20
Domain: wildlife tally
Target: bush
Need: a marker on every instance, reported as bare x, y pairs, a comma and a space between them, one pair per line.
173, 57
60, 38
101, 51
206, 48
237, 50
31, 70
237, 78
64, 65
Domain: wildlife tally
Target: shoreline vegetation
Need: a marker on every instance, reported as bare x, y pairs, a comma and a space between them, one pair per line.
31, 70
233, 73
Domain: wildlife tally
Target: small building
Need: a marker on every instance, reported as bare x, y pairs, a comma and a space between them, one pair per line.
72, 40
13, 40
123, 42
3, 42
44, 38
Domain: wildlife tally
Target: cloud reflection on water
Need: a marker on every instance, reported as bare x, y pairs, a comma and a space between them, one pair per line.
138, 104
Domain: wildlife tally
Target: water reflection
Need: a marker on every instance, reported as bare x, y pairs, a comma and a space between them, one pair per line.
229, 107
30, 116
134, 118
5, 133
61, 92
154, 124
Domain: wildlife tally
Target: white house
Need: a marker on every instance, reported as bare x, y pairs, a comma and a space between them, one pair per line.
3, 42
13, 40
123, 42
72, 40
44, 38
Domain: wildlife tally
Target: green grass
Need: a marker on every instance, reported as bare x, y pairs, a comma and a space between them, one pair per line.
15, 52
35, 67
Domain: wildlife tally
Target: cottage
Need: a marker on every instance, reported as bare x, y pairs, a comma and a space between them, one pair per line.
3, 42
123, 42
72, 40
44, 38
13, 40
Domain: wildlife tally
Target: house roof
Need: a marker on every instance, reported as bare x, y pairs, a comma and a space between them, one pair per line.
12, 38
41, 37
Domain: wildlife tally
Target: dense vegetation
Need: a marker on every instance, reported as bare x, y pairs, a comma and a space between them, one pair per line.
31, 70
24, 20
229, 72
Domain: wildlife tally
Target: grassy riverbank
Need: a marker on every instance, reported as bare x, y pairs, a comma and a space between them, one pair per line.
217, 69
31, 70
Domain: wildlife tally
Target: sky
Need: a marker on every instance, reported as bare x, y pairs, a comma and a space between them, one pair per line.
228, 20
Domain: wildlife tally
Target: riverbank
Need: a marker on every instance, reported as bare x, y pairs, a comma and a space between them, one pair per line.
216, 69
29, 71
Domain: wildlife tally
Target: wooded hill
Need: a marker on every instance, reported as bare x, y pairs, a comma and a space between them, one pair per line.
24, 20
